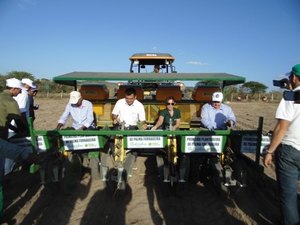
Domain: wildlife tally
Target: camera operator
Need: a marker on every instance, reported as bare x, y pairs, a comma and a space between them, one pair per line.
285, 146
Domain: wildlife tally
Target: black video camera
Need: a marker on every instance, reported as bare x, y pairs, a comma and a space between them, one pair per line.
283, 83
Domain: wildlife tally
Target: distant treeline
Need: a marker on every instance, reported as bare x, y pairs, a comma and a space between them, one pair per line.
249, 91
45, 87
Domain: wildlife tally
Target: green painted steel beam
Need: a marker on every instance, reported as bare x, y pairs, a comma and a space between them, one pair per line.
129, 132
71, 78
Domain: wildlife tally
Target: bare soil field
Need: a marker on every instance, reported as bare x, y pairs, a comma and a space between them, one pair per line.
147, 201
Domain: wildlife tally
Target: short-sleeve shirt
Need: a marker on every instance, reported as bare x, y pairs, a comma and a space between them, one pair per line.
23, 102
130, 114
288, 110
9, 110
167, 117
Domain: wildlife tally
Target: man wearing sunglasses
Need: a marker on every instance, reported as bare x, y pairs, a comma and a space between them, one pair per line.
216, 115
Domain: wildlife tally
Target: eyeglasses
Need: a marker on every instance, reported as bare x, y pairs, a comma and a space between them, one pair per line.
170, 103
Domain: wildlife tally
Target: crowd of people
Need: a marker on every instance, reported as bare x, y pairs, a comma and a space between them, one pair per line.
17, 105
14, 115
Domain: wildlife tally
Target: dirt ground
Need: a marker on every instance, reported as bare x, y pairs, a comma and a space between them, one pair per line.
147, 200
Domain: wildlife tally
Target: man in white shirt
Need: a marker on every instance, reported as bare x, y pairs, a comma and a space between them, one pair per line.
23, 98
286, 146
81, 112
129, 110
23, 102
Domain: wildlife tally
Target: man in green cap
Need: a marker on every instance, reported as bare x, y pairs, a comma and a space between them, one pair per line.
285, 147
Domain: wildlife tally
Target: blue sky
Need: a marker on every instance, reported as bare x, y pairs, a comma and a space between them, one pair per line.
257, 39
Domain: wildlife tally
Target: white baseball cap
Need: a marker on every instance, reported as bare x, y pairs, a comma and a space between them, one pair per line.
13, 83
28, 82
217, 97
74, 97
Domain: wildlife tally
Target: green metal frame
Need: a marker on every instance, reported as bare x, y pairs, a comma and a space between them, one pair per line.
74, 77
104, 134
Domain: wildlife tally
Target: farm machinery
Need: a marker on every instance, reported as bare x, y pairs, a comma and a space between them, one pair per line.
188, 154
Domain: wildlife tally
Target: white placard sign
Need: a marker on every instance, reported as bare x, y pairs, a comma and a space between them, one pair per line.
203, 144
249, 143
145, 142
41, 143
80, 142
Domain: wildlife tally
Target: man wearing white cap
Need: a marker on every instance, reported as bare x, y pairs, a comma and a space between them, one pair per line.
9, 111
27, 83
23, 102
23, 98
216, 115
81, 112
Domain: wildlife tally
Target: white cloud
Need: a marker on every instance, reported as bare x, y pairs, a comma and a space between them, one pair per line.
198, 63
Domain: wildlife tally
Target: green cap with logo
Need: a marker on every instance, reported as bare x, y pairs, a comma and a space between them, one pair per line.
296, 70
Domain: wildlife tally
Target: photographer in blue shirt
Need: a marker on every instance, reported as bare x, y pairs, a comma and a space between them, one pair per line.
216, 115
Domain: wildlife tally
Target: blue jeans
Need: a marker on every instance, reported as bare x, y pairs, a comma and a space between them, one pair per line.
8, 166
2, 161
287, 172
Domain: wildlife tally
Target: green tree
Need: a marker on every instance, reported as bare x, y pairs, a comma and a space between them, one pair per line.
20, 75
2, 82
209, 83
253, 87
14, 74
232, 89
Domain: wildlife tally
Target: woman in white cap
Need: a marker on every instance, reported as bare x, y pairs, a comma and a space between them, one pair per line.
216, 115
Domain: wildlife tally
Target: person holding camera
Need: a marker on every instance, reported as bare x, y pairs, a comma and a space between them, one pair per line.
32, 107
285, 147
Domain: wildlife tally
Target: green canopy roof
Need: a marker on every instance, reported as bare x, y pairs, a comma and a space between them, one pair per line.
72, 78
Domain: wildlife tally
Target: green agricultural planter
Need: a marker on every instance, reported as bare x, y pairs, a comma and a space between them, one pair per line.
190, 154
